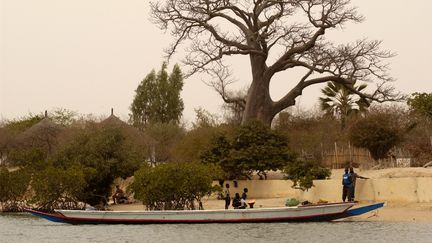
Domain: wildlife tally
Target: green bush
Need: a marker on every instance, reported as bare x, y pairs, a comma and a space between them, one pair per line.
14, 186
104, 155
303, 172
252, 147
174, 186
58, 188
378, 133
291, 202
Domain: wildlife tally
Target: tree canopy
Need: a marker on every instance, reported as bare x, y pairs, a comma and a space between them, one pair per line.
378, 133
157, 98
421, 103
252, 147
275, 36
104, 154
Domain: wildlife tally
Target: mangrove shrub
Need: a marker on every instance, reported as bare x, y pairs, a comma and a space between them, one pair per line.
174, 186
105, 154
58, 188
13, 187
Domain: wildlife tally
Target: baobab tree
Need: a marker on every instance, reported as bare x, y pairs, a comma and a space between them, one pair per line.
277, 36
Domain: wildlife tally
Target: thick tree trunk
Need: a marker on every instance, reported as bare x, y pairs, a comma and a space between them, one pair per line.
259, 105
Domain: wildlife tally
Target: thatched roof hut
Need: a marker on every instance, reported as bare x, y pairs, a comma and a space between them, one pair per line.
44, 133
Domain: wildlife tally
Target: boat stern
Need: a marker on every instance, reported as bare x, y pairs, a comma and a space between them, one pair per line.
51, 217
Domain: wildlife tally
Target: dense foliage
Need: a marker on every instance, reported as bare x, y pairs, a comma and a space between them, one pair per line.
174, 185
58, 188
157, 98
378, 133
421, 103
252, 147
106, 153
69, 163
13, 187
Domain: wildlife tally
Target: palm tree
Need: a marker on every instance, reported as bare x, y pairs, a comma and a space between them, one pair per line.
340, 102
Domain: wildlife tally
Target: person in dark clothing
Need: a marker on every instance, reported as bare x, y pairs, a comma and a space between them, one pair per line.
347, 186
244, 194
226, 195
119, 196
354, 177
236, 201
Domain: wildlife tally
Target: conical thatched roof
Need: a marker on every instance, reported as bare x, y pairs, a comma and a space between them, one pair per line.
44, 133
45, 127
114, 120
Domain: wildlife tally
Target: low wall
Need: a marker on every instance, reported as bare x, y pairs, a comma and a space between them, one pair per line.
401, 190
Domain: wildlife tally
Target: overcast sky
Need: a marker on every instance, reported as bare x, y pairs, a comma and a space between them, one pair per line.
90, 55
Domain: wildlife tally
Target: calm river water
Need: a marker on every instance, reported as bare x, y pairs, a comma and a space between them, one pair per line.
26, 228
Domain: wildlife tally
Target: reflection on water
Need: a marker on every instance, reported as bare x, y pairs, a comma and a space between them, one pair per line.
26, 228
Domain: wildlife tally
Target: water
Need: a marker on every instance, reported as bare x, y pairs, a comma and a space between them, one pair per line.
26, 228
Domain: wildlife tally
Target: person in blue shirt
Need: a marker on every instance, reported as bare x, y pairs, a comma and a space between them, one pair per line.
347, 183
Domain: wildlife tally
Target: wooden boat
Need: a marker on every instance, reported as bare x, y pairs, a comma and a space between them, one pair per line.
318, 212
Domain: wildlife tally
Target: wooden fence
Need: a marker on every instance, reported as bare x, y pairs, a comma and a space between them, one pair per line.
342, 156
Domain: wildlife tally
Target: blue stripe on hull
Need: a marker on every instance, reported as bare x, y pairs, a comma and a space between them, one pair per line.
50, 217
358, 211
365, 209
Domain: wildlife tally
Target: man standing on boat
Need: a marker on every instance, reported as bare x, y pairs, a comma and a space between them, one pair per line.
354, 177
347, 183
227, 197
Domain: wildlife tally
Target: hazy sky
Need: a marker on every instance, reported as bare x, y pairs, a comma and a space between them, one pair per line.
90, 55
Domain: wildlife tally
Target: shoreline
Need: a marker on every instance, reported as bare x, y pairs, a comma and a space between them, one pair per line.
391, 212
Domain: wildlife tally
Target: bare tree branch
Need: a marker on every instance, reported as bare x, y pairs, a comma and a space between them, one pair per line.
221, 78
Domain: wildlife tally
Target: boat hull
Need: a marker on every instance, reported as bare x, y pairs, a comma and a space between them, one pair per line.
314, 213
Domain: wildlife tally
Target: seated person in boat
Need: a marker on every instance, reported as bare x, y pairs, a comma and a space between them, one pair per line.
119, 196
238, 203
243, 204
